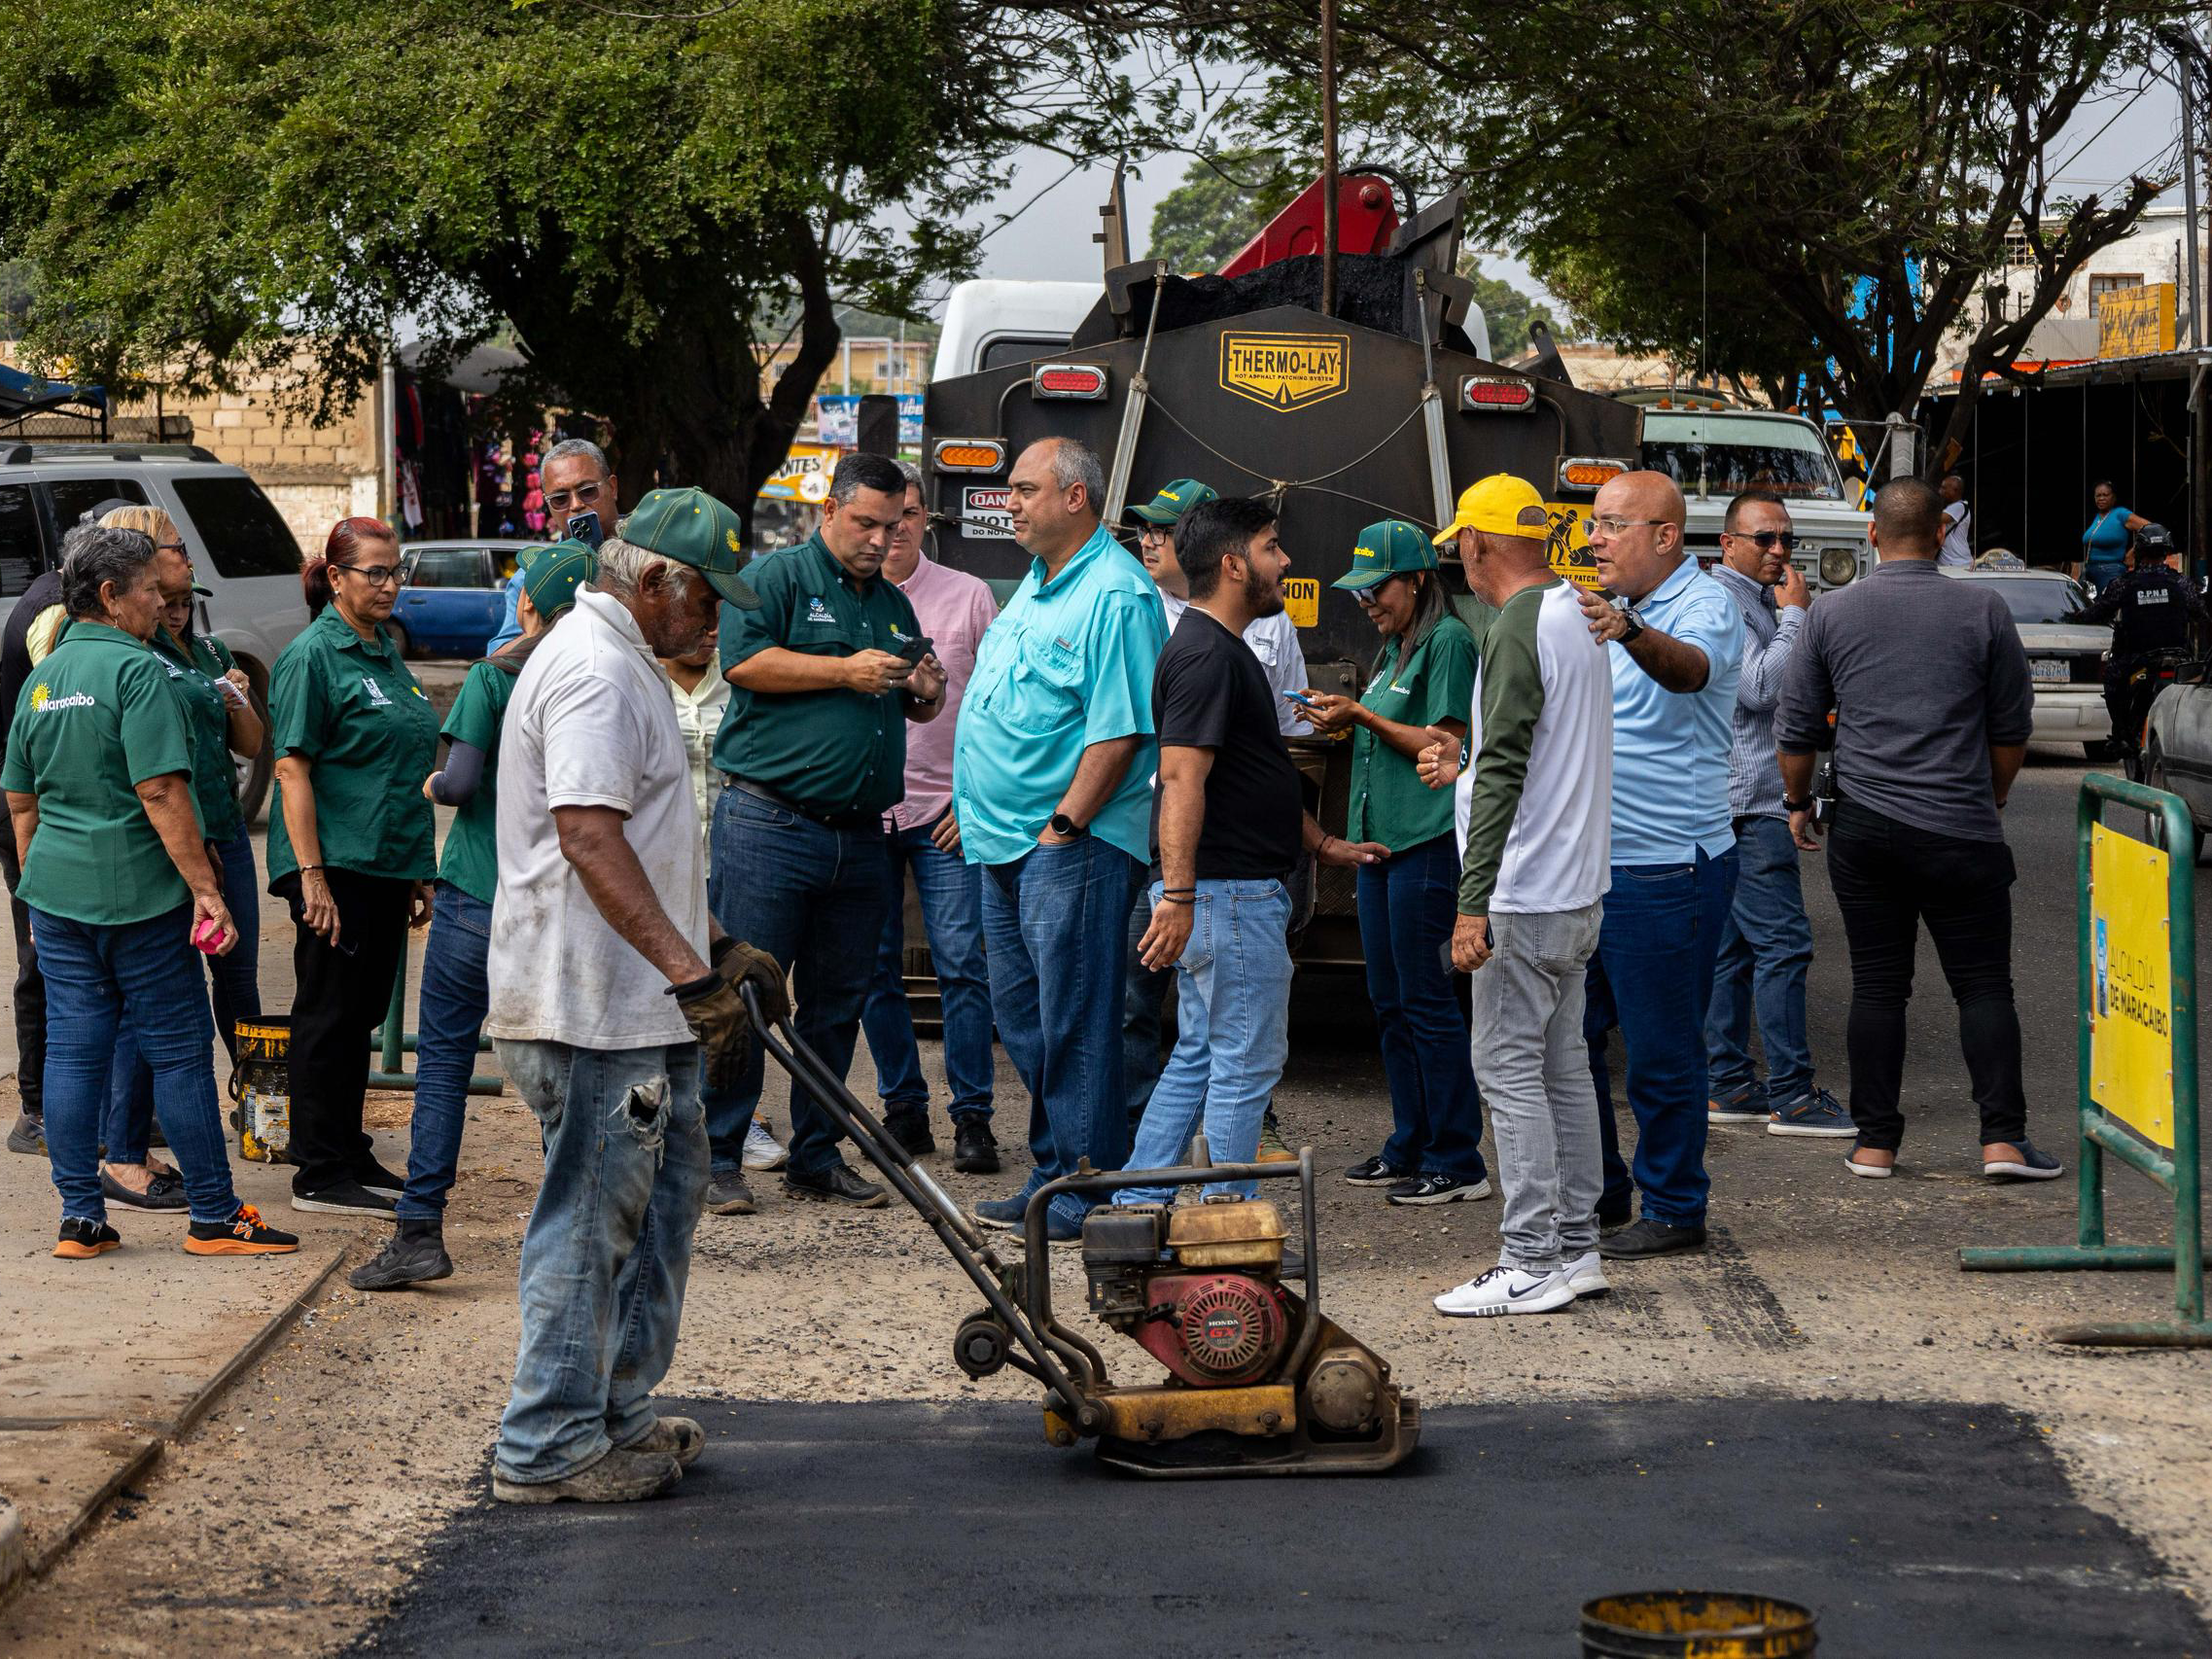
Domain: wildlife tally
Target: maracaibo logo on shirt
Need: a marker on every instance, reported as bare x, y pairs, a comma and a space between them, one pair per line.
43, 699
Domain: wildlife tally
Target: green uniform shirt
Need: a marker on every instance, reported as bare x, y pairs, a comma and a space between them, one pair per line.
833, 752
1389, 803
350, 709
207, 719
472, 846
97, 718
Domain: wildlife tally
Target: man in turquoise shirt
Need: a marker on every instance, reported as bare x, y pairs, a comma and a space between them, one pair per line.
1052, 785
1675, 640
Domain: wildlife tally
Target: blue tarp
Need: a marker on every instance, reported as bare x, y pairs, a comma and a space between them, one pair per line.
23, 394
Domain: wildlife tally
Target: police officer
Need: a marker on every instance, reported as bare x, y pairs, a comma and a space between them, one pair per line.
2150, 608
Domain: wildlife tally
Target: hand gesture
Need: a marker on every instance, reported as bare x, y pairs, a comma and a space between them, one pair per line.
873, 673
927, 681
1791, 592
1326, 711
1607, 621
1439, 763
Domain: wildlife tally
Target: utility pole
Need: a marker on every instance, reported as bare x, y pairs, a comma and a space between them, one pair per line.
1328, 157
2185, 72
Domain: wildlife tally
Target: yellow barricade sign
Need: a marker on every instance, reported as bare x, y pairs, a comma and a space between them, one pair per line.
2131, 1053
1302, 599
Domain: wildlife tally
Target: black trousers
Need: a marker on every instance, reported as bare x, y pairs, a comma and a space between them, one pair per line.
342, 993
1888, 878
30, 989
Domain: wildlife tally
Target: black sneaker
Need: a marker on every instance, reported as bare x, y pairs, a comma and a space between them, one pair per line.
1610, 1223
728, 1195
1437, 1189
838, 1184
162, 1192
375, 1178
82, 1240
345, 1198
28, 1135
911, 1130
243, 1234
414, 1254
1641, 1239
1375, 1173
975, 1150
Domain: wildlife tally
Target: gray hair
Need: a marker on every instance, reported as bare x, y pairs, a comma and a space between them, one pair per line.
623, 565
912, 474
569, 449
94, 555
1073, 464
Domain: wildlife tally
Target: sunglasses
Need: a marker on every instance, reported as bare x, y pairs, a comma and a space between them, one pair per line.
1766, 541
584, 495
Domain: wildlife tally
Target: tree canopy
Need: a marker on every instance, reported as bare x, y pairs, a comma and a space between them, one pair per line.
1223, 203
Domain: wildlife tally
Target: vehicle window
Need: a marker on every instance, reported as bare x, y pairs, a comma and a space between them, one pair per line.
506, 560
447, 567
1019, 348
2033, 600
238, 527
21, 555
70, 499
1733, 455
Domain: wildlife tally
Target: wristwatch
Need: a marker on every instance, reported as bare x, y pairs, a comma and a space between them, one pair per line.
1635, 622
1065, 828
1789, 805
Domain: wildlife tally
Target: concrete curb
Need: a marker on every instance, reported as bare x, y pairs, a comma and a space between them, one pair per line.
18, 1562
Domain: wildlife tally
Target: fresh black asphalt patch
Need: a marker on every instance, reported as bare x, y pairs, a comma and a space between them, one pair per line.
895, 1529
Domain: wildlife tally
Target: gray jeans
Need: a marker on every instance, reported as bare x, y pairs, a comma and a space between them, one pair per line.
1533, 1067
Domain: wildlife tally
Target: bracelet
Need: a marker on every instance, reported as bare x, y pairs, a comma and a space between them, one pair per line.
1322, 845
304, 868
1171, 891
1170, 898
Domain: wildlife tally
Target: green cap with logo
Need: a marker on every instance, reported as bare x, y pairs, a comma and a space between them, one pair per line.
1383, 550
1172, 502
693, 528
550, 575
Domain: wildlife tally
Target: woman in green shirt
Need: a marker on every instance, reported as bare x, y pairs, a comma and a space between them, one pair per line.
454, 993
1423, 678
351, 849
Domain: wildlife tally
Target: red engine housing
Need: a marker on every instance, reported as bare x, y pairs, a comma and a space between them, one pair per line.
1215, 1329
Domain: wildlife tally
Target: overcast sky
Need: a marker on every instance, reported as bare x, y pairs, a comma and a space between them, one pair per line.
2120, 133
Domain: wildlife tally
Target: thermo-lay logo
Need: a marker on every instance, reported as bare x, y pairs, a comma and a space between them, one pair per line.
1285, 372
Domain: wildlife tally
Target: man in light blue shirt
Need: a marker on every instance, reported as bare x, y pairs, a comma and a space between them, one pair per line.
1052, 769
574, 478
1676, 642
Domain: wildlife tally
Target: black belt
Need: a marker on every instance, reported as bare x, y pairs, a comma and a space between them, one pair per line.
857, 819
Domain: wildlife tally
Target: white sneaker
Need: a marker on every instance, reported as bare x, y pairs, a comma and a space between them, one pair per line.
1586, 1275
763, 1151
1506, 1290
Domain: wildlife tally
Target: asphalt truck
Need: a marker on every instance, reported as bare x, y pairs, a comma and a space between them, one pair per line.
1384, 408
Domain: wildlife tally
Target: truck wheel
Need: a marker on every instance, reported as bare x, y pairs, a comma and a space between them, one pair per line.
2154, 775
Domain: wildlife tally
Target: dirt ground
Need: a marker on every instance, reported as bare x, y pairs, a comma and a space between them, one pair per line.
292, 1516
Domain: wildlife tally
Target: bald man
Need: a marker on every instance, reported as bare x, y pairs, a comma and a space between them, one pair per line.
1676, 642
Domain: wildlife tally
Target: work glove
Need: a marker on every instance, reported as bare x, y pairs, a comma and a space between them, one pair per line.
711, 1008
740, 964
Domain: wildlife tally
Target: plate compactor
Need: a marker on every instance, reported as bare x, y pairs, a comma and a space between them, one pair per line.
1259, 1380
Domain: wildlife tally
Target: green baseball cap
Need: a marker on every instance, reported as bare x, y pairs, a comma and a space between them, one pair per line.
551, 575
693, 528
1383, 550
1174, 501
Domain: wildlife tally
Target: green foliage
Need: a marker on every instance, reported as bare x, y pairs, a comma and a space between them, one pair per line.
1224, 200
1507, 310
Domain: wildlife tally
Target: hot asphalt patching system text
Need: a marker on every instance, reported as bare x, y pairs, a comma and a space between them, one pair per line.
891, 1529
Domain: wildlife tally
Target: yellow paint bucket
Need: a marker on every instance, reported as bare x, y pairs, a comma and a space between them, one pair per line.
1695, 1624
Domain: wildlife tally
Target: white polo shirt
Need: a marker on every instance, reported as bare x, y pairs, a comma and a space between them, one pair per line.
591, 724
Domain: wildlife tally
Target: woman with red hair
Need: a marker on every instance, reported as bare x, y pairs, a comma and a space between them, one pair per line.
351, 849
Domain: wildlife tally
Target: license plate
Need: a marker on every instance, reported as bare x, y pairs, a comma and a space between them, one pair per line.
2048, 668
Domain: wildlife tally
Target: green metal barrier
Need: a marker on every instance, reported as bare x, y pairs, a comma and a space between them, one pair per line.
396, 1040
2102, 1134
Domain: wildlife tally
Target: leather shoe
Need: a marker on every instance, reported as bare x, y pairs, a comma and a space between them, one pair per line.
911, 1130
836, 1185
1647, 1238
975, 1150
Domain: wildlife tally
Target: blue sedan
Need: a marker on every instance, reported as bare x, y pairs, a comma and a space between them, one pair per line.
452, 598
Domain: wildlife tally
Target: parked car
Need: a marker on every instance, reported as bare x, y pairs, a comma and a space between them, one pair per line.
452, 595
241, 549
2177, 749
2066, 659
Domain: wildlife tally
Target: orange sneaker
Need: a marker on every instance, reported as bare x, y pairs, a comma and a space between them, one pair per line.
242, 1235
82, 1240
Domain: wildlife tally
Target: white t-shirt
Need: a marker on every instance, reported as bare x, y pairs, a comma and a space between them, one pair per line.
1957, 549
1558, 851
1274, 640
591, 724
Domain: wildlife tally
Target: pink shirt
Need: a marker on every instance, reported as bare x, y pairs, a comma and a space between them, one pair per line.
953, 609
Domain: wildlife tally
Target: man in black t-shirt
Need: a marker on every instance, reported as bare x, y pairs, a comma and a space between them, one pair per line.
1228, 825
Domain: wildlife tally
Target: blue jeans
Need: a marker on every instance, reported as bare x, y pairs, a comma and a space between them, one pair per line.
814, 899
92, 973
454, 999
1055, 932
236, 983
1766, 951
951, 891
1653, 977
1143, 995
1407, 904
608, 1249
1233, 1033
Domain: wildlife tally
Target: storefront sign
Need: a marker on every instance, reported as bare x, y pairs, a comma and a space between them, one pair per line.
2134, 322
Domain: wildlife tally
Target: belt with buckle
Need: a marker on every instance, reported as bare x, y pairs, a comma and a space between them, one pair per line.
854, 819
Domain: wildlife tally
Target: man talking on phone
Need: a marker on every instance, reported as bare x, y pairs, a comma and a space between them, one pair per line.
579, 490
823, 678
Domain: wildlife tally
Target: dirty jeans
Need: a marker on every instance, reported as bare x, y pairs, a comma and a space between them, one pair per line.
606, 1250
1534, 1071
1232, 1035
455, 996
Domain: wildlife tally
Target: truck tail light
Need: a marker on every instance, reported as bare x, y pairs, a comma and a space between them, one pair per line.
1497, 394
1084, 383
1585, 474
970, 455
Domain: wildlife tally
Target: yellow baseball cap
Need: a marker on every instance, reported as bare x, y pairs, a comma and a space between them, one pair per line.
1502, 504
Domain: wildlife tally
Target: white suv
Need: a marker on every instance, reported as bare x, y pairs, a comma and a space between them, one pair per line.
241, 550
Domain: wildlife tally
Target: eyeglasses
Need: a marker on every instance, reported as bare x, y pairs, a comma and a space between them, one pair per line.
1612, 526
1151, 533
172, 548
584, 495
1767, 540
376, 575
